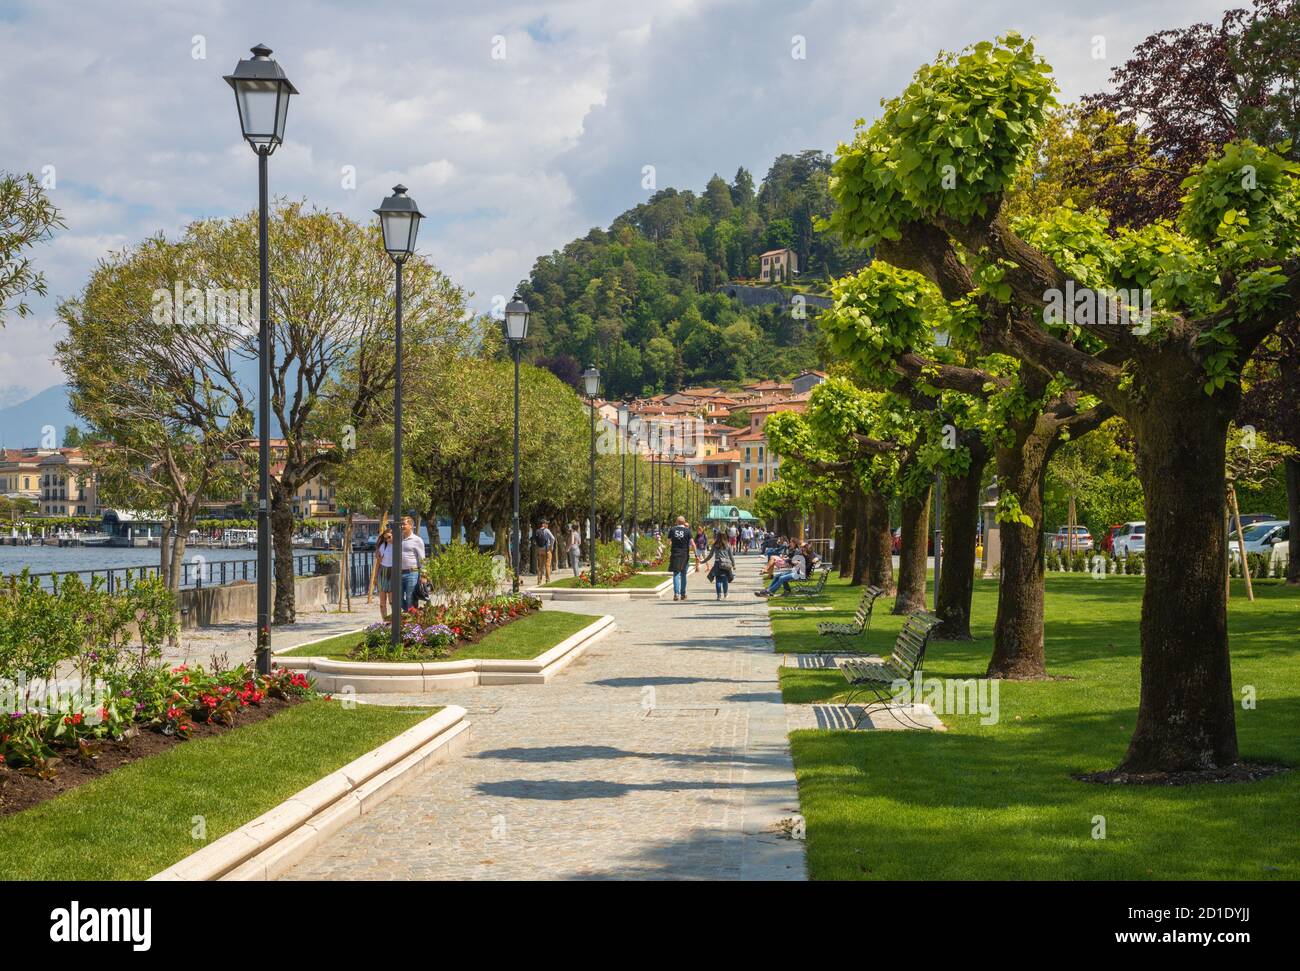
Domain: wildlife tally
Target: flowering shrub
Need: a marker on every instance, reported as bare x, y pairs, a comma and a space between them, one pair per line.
461, 573
165, 699
432, 631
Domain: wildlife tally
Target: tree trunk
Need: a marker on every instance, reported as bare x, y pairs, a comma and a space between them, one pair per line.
913, 554
861, 541
1293, 513
961, 516
1186, 716
849, 519
1018, 630
282, 545
879, 546
165, 555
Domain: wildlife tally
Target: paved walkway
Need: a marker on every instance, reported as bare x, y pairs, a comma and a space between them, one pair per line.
237, 642
660, 753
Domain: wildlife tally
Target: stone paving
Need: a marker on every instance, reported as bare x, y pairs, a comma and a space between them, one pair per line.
237, 641
659, 754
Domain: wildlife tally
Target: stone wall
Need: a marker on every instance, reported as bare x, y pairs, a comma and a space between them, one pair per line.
237, 602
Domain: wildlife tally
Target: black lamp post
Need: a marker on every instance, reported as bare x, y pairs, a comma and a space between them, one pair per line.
399, 218
516, 328
591, 383
262, 93
622, 470
636, 483
672, 484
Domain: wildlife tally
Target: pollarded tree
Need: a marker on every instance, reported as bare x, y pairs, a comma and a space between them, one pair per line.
860, 448
332, 320
932, 175
885, 319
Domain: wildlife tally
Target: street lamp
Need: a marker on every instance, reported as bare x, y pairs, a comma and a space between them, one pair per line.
516, 328
399, 218
623, 412
636, 506
591, 383
672, 484
262, 93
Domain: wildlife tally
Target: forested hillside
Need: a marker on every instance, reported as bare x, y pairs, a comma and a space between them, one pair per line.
642, 300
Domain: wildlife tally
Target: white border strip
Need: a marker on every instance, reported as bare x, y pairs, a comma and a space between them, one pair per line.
274, 842
416, 677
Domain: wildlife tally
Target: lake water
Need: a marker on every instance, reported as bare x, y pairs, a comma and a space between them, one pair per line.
68, 559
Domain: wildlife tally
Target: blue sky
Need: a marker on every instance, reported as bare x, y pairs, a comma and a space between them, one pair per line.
511, 156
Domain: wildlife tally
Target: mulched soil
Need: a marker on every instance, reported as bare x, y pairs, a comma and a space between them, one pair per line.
19, 791
1237, 772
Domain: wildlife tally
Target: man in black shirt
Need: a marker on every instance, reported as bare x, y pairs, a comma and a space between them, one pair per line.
679, 556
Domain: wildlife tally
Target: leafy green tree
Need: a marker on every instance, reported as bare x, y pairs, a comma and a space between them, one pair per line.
332, 308
27, 217
157, 386
931, 176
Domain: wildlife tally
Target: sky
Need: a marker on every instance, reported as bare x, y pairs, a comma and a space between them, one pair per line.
516, 126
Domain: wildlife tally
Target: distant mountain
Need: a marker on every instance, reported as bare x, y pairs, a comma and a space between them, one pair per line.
22, 425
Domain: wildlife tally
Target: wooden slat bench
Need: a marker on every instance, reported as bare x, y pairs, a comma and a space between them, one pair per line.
809, 587
878, 677
845, 634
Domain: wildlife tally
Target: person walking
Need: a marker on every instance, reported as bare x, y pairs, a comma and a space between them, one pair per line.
384, 569
575, 549
701, 545
544, 544
731, 536
679, 557
412, 558
723, 570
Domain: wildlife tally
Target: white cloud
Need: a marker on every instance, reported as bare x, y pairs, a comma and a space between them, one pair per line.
511, 157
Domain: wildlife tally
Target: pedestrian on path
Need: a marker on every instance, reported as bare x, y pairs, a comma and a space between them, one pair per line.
723, 570
701, 545
679, 557
384, 567
544, 544
575, 548
412, 559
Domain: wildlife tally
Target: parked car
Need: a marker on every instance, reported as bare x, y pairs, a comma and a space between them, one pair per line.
1252, 518
1082, 540
1262, 537
1108, 541
1131, 538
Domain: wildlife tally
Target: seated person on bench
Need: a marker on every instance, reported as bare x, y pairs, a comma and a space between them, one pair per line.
799, 566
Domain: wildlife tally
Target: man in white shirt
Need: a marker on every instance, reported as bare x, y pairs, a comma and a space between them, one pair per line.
412, 558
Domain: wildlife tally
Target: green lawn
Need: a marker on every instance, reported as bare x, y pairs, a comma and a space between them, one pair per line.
997, 801
637, 581
137, 820
522, 639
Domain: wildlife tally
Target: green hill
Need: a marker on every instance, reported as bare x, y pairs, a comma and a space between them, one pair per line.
641, 299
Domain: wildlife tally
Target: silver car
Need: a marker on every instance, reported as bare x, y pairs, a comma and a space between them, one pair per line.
1132, 538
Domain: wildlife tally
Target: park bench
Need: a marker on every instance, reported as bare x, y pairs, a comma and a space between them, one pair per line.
878, 677
845, 633
809, 587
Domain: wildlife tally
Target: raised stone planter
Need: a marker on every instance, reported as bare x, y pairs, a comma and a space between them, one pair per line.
416, 677
274, 842
600, 593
